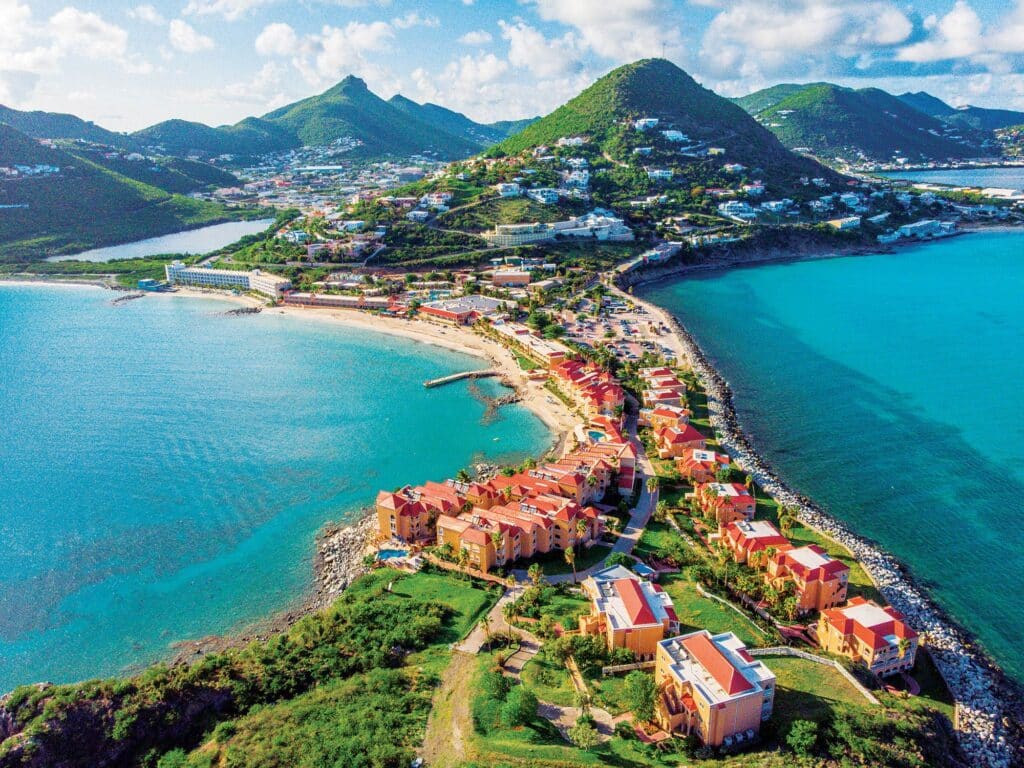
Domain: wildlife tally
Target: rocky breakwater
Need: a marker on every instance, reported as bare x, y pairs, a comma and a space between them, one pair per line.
990, 708
340, 553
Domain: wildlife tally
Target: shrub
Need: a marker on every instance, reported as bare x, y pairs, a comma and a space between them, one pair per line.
520, 707
802, 736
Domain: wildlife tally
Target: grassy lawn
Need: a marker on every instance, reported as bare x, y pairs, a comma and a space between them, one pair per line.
526, 363
698, 612
675, 496
808, 691
469, 600
655, 536
565, 609
608, 693
549, 680
554, 562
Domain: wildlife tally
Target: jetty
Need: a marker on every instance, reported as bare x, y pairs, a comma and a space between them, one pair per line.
460, 376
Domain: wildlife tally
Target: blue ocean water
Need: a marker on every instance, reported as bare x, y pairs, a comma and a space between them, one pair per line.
165, 468
888, 388
1005, 178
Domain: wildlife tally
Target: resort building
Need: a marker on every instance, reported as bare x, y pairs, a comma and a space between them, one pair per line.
597, 391
710, 686
664, 417
744, 538
510, 278
701, 466
544, 351
675, 442
408, 515
628, 612
820, 579
868, 633
270, 285
463, 310
725, 502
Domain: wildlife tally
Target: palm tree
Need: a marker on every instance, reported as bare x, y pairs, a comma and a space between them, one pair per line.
496, 542
904, 646
485, 624
509, 611
652, 484
462, 476
581, 529
464, 559
570, 558
536, 574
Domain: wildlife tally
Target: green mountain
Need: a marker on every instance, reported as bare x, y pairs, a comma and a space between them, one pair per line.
971, 118
925, 102
83, 204
761, 100
833, 121
657, 88
56, 125
457, 124
348, 110
171, 174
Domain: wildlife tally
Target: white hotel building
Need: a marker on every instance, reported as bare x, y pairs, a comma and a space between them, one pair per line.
204, 277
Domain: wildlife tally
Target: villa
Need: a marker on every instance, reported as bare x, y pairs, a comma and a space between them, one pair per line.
726, 502
866, 632
630, 613
675, 442
710, 686
744, 538
700, 466
664, 417
820, 579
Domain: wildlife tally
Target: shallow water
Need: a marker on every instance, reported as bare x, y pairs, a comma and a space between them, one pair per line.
888, 388
165, 467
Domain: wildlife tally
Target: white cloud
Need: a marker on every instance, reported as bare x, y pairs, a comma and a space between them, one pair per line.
956, 35
413, 19
530, 49
148, 14
87, 34
183, 37
623, 30
338, 51
277, 39
231, 10
476, 37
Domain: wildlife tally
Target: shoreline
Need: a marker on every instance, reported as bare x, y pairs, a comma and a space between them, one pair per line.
341, 546
988, 702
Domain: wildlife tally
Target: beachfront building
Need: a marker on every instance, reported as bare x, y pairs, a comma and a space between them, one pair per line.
408, 515
702, 466
628, 612
725, 502
510, 278
203, 277
675, 442
596, 391
664, 417
463, 310
819, 579
744, 538
868, 633
710, 686
547, 352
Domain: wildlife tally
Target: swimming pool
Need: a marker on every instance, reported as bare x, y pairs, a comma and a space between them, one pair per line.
392, 554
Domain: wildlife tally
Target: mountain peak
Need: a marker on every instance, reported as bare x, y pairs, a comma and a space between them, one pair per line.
349, 83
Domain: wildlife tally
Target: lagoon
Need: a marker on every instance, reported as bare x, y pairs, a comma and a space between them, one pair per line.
166, 467
1003, 178
192, 241
887, 388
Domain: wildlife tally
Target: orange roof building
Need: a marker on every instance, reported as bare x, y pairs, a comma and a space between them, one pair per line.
710, 686
675, 442
725, 502
700, 466
628, 612
868, 633
743, 538
820, 580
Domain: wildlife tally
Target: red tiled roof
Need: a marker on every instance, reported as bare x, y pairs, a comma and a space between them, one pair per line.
708, 655
634, 601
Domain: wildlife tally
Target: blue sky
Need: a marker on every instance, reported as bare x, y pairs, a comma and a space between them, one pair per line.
128, 65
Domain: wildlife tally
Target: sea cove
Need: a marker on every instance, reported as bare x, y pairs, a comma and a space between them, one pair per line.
166, 467
881, 386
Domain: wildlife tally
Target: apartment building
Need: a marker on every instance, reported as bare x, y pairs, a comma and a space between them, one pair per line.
868, 633
271, 285
628, 612
743, 538
725, 502
701, 466
676, 442
820, 580
710, 686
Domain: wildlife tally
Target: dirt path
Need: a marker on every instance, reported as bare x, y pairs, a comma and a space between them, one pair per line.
450, 723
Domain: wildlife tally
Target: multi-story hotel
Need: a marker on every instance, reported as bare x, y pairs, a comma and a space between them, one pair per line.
628, 612
820, 579
709, 685
726, 502
674, 442
701, 466
597, 391
743, 538
866, 632
270, 285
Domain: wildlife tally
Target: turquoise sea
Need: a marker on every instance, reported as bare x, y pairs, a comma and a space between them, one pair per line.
165, 468
1004, 178
889, 389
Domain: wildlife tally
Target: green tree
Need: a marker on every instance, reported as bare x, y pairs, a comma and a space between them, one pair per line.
570, 559
802, 736
520, 707
536, 574
640, 692
584, 735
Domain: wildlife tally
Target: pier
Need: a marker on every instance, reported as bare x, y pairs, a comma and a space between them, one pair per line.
460, 376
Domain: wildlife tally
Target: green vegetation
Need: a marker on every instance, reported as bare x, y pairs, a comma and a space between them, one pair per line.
391, 642
483, 216
698, 612
86, 205
413, 245
171, 174
832, 120
457, 124
55, 125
